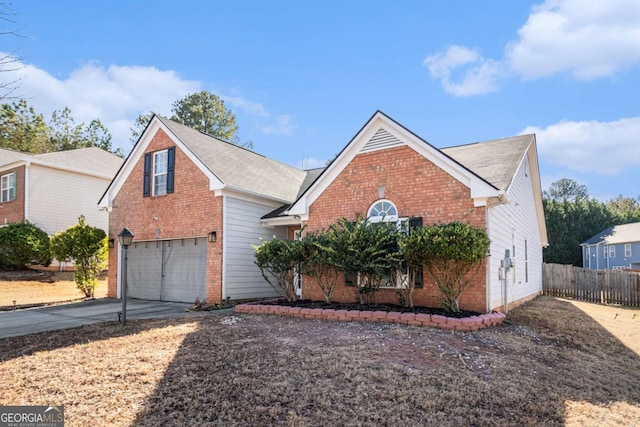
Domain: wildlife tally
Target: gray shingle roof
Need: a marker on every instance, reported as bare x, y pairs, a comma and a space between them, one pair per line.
10, 156
238, 167
92, 160
495, 161
627, 233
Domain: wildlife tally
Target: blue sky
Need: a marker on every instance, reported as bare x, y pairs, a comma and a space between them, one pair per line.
304, 76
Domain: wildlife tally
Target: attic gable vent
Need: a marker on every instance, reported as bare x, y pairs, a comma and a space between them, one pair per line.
380, 140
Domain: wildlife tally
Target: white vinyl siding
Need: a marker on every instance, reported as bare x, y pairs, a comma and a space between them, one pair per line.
242, 278
510, 226
57, 198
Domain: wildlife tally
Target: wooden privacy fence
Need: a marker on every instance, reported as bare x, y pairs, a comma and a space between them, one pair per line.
600, 286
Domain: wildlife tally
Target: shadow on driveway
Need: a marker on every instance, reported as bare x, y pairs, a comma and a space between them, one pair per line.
65, 316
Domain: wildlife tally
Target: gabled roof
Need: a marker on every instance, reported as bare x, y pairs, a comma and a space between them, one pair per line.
626, 233
91, 161
228, 166
381, 132
239, 168
496, 161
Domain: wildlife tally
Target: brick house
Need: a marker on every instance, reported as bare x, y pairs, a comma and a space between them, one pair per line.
33, 187
196, 204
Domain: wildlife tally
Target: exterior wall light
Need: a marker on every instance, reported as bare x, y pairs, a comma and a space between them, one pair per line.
212, 236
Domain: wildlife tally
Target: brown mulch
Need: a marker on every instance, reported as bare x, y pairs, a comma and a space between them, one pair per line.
557, 363
371, 307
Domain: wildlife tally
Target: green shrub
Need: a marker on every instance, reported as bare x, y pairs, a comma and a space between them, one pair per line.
278, 260
88, 247
450, 254
23, 244
370, 252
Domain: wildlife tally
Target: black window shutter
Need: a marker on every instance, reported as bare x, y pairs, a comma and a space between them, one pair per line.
146, 182
171, 163
415, 222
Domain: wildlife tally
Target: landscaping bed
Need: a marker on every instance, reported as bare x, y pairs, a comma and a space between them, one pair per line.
373, 313
305, 303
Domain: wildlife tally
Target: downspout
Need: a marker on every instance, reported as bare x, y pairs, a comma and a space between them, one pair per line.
223, 286
26, 189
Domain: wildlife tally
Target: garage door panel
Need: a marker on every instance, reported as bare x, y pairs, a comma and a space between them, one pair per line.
185, 270
144, 270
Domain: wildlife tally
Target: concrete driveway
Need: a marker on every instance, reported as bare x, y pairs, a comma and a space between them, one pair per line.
64, 316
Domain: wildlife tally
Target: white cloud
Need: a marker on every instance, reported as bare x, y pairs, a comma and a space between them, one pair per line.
118, 94
480, 75
284, 126
590, 39
114, 94
606, 148
265, 121
251, 107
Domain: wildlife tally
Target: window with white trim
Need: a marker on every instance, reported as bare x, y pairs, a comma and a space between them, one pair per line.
612, 251
160, 168
606, 250
383, 211
627, 250
8, 187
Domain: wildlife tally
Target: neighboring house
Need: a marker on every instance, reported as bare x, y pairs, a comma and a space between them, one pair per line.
52, 190
616, 247
196, 204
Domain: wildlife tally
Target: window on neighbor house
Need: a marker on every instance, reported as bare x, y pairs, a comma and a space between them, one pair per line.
627, 250
8, 186
159, 172
606, 251
612, 251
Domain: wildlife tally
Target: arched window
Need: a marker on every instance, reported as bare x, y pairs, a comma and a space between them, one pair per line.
383, 211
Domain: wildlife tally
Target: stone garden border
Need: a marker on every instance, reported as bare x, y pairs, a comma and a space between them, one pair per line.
467, 324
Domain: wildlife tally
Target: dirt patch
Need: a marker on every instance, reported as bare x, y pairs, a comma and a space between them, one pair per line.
555, 364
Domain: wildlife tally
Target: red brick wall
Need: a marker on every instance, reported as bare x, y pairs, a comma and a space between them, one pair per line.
418, 188
191, 210
13, 211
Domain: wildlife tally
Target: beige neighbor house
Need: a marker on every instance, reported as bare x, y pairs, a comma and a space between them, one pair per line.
196, 204
52, 190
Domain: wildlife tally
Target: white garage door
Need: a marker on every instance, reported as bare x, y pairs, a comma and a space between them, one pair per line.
167, 270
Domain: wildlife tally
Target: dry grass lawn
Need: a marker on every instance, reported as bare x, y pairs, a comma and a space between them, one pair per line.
60, 287
556, 363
